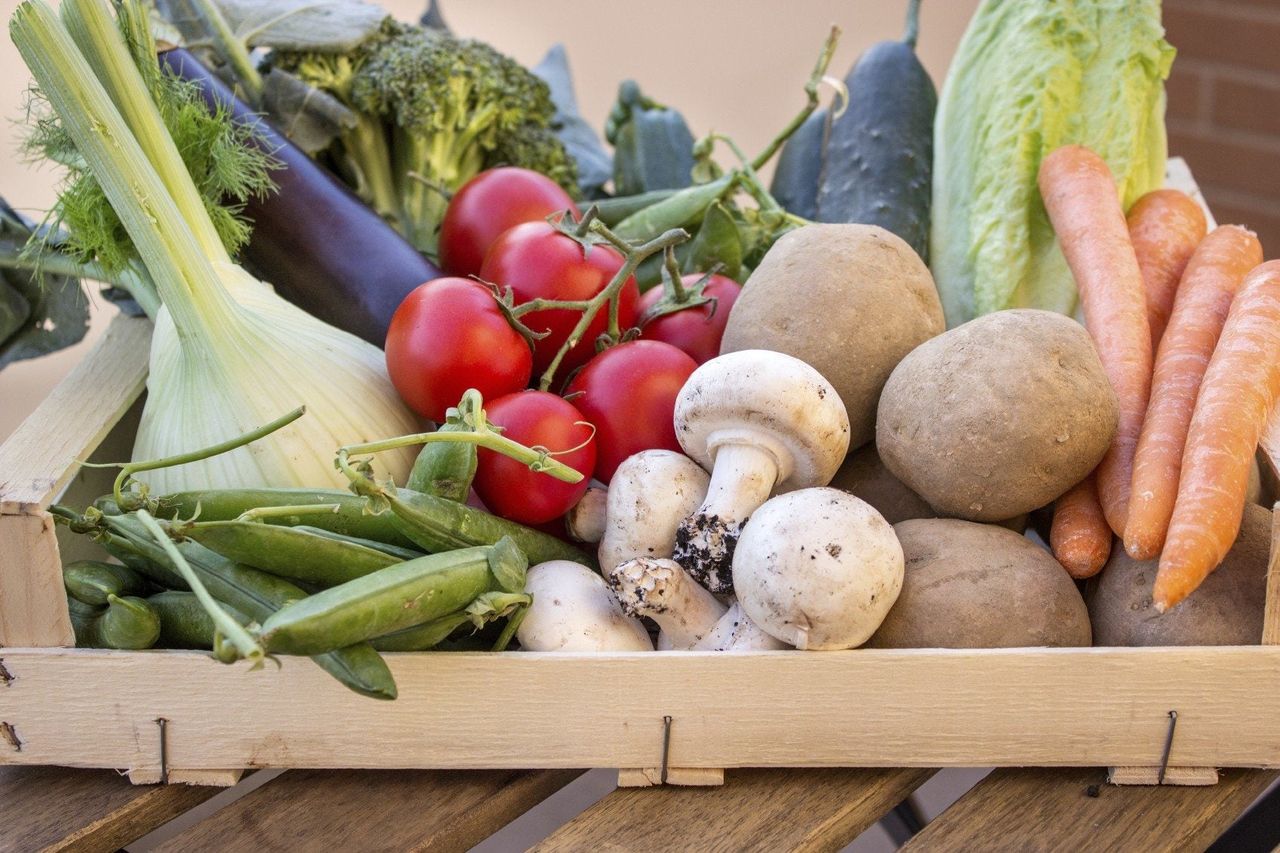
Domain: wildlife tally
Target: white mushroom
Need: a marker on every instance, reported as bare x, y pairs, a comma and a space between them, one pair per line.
762, 422
664, 592
574, 611
649, 495
735, 632
818, 569
584, 522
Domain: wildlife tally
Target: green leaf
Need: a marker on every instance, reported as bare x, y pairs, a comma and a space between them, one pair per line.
310, 117
327, 26
39, 313
717, 242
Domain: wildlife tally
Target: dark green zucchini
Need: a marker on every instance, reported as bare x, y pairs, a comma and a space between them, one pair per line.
878, 168
799, 168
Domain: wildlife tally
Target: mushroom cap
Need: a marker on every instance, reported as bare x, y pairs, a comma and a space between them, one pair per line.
771, 400
574, 610
650, 494
818, 569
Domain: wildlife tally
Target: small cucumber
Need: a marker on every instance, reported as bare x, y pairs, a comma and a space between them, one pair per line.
799, 167
91, 581
125, 623
878, 167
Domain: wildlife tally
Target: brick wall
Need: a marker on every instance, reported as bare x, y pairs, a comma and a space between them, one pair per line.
1224, 107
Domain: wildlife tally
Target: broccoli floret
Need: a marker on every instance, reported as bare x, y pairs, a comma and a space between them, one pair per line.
433, 111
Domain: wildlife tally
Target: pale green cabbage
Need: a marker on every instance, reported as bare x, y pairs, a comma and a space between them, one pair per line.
1028, 77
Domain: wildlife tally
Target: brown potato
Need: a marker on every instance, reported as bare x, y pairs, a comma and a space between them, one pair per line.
1226, 610
864, 475
851, 300
997, 417
978, 586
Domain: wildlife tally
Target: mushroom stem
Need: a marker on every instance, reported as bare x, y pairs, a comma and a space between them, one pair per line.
586, 519
664, 592
735, 632
742, 478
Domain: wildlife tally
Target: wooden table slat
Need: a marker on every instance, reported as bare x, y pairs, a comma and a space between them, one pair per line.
373, 810
796, 810
63, 809
1052, 810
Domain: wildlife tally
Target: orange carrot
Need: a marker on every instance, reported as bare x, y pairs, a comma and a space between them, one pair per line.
1084, 206
1239, 391
1080, 537
1204, 297
1165, 227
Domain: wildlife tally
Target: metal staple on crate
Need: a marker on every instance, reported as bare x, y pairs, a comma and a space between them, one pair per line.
1168, 746
666, 748
164, 750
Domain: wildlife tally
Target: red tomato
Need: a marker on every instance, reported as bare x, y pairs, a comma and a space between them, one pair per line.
489, 204
449, 335
538, 262
535, 419
695, 330
628, 392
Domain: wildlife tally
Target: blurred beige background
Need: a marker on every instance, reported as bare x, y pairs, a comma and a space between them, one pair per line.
734, 66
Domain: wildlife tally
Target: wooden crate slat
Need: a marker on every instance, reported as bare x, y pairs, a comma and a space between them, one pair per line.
58, 809
864, 708
38, 459
796, 810
421, 810
1027, 810
33, 605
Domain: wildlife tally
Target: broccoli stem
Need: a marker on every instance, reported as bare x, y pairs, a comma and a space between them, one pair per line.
368, 159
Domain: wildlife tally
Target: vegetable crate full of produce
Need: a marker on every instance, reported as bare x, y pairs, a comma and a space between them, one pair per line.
716, 474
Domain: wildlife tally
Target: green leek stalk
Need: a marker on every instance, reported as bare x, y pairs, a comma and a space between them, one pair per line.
227, 353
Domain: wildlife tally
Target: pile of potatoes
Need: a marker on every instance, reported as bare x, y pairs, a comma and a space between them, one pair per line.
958, 436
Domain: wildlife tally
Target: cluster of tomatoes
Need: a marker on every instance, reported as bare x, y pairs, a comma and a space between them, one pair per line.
452, 334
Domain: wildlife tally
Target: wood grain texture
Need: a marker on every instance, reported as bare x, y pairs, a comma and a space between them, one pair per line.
378, 810
33, 605
795, 810
212, 778
39, 458
1172, 776
1071, 810
59, 809
647, 777
862, 708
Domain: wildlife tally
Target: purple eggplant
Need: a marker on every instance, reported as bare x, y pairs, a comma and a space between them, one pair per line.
313, 240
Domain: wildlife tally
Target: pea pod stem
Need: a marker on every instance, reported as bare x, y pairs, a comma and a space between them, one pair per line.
260, 513
481, 434
128, 469
227, 626
811, 94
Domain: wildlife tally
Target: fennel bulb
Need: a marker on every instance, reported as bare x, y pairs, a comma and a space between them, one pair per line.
228, 354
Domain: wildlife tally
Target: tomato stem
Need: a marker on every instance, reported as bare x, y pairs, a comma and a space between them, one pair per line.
633, 254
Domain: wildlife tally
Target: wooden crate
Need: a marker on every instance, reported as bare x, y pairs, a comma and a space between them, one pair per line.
859, 708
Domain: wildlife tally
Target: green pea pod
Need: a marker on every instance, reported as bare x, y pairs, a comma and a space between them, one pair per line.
682, 210
489, 607
717, 242
395, 598
257, 595
611, 211
184, 623
396, 551
438, 525
287, 552
349, 519
445, 468
91, 581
